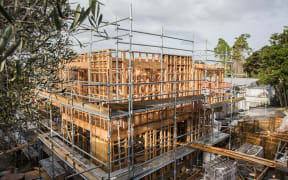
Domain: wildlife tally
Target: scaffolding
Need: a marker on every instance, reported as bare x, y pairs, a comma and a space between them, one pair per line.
124, 111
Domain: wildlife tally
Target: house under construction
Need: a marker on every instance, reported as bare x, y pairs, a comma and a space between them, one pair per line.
128, 114
120, 131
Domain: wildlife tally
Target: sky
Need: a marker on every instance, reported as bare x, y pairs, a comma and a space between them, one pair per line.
203, 21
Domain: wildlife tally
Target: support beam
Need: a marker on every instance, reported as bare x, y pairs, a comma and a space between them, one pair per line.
237, 155
18, 148
262, 174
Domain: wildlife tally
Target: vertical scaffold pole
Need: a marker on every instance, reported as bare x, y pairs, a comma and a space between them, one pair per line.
117, 91
117, 60
130, 100
109, 66
161, 95
175, 119
51, 134
226, 55
89, 87
192, 87
231, 102
72, 119
206, 91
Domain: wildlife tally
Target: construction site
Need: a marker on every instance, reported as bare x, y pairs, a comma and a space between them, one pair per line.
145, 111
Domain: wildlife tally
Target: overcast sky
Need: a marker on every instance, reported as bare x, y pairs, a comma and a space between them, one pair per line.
203, 20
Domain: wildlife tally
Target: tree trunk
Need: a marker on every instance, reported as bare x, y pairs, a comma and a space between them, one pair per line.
285, 95
279, 95
282, 87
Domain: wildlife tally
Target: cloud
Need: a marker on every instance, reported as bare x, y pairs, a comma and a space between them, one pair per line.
205, 19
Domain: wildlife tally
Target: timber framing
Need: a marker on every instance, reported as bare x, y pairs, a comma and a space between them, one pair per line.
169, 106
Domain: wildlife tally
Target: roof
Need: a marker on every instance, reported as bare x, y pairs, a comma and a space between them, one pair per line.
249, 82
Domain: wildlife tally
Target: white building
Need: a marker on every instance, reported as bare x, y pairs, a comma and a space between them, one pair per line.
255, 95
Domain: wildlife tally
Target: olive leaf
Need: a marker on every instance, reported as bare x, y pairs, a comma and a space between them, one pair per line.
98, 9
10, 50
92, 4
92, 21
77, 16
100, 19
5, 14
21, 44
59, 9
83, 15
57, 21
6, 37
3, 63
45, 6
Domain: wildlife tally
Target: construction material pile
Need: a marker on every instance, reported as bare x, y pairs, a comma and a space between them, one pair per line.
251, 149
220, 169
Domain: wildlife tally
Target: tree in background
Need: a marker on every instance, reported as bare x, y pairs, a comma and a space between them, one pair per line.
223, 52
35, 38
253, 63
274, 70
270, 65
240, 50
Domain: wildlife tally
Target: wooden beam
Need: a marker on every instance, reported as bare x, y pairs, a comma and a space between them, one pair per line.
194, 175
236, 155
18, 148
261, 175
62, 99
79, 65
277, 136
151, 103
96, 131
66, 155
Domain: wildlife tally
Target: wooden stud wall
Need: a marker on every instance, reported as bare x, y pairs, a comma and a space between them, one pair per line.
147, 125
146, 69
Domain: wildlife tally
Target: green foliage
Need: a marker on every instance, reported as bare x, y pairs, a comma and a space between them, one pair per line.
253, 63
5, 14
241, 48
223, 52
35, 37
270, 65
199, 62
5, 38
274, 69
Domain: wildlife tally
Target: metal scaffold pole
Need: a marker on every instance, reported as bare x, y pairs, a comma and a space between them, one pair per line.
175, 123
161, 94
51, 134
192, 87
117, 59
205, 89
89, 88
72, 119
130, 102
117, 91
108, 120
231, 97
